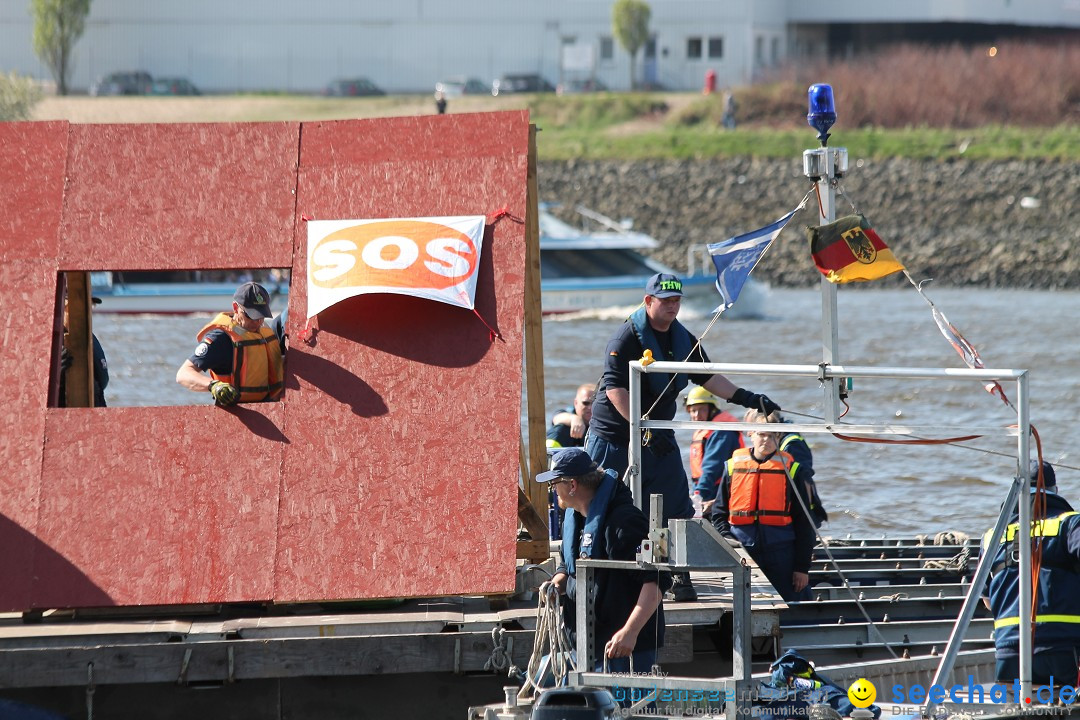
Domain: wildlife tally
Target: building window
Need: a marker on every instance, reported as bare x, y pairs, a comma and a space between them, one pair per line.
759, 50
716, 48
607, 48
693, 48
776, 51
650, 48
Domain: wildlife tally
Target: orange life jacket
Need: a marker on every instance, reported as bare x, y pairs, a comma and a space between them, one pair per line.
697, 445
258, 367
759, 490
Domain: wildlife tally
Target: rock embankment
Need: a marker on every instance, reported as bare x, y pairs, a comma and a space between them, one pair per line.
961, 223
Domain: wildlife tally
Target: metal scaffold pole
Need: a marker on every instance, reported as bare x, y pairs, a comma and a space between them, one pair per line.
824, 166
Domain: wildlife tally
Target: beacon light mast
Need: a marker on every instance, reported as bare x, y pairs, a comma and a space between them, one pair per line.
825, 166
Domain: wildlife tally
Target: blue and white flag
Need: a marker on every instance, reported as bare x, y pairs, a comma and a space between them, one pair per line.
735, 258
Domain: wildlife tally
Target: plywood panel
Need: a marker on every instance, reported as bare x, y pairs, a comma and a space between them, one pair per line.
423, 502
28, 290
32, 158
186, 196
150, 506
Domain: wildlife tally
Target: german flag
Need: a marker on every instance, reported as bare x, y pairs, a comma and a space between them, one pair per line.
848, 250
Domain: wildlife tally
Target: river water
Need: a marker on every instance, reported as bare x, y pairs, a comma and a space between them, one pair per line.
868, 489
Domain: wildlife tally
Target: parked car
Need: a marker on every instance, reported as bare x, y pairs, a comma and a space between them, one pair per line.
568, 87
173, 86
455, 86
523, 83
122, 83
355, 87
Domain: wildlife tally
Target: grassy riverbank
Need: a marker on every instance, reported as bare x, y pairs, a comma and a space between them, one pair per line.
907, 101
604, 126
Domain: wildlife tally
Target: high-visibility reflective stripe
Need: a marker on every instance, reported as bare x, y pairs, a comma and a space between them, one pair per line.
1009, 621
1051, 527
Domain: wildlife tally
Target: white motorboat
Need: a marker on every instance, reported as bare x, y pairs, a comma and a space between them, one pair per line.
583, 270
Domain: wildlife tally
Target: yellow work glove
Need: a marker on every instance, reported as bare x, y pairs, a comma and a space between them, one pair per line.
224, 393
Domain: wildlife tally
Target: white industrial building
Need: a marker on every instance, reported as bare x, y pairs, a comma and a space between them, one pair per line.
407, 45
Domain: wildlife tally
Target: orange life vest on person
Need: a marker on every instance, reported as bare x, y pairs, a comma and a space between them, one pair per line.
697, 445
258, 367
759, 490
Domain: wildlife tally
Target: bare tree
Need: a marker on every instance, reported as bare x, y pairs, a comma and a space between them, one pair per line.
58, 25
630, 24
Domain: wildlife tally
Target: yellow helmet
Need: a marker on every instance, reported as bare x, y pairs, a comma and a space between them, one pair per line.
700, 395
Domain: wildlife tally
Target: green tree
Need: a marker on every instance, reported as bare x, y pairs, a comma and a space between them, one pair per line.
58, 25
630, 24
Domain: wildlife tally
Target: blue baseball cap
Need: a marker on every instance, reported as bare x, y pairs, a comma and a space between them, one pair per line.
254, 299
569, 462
664, 285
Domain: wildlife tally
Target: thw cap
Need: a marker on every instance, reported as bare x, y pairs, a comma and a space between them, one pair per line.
664, 285
254, 299
571, 462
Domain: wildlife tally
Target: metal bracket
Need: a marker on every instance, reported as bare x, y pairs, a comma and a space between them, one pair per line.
182, 678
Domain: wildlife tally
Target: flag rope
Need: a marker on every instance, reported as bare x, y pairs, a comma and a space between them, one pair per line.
950, 332
717, 313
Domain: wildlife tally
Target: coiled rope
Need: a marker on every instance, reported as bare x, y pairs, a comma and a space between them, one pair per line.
550, 639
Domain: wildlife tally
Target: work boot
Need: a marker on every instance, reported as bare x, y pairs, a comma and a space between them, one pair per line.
682, 590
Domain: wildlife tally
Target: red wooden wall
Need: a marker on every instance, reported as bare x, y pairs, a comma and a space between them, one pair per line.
390, 467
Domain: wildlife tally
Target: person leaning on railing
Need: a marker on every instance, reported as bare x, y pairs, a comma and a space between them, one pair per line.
244, 358
655, 327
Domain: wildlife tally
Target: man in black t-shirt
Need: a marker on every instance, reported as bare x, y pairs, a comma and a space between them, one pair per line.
655, 327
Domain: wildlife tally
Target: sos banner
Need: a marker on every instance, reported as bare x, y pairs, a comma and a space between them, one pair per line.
434, 258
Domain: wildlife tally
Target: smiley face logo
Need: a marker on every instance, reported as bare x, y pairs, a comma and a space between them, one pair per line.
862, 693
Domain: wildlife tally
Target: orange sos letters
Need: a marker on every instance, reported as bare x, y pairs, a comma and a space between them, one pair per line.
394, 253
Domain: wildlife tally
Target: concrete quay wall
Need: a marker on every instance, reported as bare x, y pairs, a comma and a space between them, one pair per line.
963, 223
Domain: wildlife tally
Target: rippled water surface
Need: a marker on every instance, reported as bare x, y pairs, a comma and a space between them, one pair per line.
868, 489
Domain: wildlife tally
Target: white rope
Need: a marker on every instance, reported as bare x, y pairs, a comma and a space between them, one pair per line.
549, 639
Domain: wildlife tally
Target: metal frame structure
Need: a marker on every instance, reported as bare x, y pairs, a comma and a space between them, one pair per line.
832, 377
689, 545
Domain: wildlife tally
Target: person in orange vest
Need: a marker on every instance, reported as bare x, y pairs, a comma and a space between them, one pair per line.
244, 357
709, 449
796, 446
760, 503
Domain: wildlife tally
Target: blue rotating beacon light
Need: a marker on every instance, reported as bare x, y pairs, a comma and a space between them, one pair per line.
822, 113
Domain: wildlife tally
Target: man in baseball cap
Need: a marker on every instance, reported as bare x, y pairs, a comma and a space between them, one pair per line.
244, 358
654, 327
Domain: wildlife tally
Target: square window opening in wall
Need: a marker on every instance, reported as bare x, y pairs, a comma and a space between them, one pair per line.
693, 48
716, 48
162, 338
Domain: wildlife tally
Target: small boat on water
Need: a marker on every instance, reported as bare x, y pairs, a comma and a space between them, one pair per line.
580, 270
583, 270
